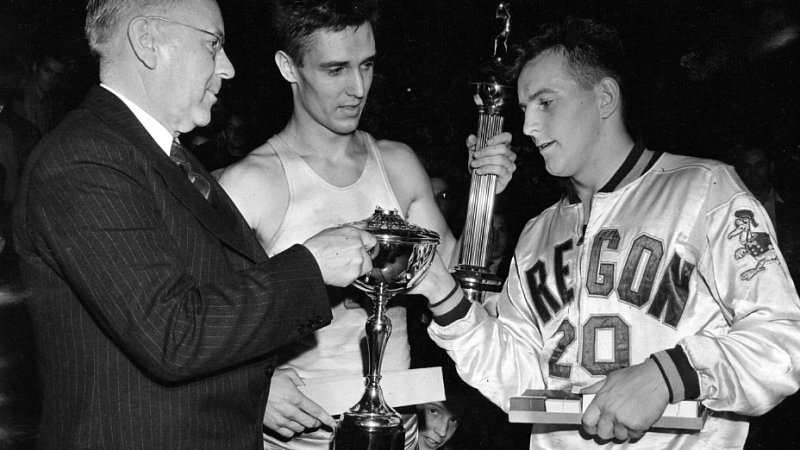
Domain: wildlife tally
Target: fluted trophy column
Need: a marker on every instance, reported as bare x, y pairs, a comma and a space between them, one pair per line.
492, 90
401, 257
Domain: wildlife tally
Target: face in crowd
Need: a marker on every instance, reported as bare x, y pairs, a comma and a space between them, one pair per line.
437, 425
442, 195
755, 168
47, 74
500, 235
234, 134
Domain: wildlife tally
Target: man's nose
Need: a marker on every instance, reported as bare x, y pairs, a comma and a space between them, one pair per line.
532, 124
356, 87
224, 65
441, 428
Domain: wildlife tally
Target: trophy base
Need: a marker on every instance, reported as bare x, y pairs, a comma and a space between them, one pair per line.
351, 436
478, 278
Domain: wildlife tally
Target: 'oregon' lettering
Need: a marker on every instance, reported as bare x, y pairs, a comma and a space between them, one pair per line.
672, 294
635, 285
543, 297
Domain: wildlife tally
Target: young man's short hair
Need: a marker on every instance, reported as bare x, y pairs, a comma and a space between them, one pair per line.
295, 21
591, 51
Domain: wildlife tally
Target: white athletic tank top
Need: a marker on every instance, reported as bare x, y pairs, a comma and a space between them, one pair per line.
339, 348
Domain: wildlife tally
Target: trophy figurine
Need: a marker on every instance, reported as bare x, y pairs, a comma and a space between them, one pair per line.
492, 90
399, 260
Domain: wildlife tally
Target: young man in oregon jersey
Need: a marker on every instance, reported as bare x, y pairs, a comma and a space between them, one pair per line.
655, 279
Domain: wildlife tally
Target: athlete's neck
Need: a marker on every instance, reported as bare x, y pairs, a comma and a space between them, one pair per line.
316, 140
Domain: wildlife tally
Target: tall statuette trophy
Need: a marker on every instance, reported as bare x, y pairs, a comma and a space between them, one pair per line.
492, 89
401, 257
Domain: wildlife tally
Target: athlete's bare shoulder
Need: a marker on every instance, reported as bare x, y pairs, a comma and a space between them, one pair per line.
396, 152
405, 171
258, 170
257, 185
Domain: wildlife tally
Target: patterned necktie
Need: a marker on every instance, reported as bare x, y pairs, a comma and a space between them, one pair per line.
178, 154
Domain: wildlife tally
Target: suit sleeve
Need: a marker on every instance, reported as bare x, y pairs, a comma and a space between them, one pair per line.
161, 288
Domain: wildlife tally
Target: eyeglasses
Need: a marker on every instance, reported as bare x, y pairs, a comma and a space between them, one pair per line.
216, 45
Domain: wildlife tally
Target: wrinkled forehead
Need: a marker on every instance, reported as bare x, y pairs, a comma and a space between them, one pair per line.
204, 14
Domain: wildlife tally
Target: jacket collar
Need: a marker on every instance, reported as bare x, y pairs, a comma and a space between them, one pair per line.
627, 166
219, 216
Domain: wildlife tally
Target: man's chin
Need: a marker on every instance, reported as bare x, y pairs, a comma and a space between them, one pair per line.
424, 443
345, 130
347, 124
199, 121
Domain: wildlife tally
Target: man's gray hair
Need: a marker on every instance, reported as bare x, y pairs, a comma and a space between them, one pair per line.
106, 18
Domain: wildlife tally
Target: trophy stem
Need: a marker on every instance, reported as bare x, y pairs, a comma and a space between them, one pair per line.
472, 271
378, 328
478, 226
372, 424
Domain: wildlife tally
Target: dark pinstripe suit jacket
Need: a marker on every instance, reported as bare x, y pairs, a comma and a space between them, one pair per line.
153, 309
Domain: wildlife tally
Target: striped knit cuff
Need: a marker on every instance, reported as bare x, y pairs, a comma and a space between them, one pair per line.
459, 312
681, 378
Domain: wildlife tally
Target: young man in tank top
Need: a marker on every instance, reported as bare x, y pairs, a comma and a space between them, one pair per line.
321, 170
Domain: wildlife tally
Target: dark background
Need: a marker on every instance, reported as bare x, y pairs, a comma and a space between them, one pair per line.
707, 74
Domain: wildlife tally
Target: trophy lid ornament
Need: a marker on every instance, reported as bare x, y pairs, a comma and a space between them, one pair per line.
492, 79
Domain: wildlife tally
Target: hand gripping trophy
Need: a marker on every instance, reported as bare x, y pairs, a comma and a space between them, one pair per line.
492, 90
401, 257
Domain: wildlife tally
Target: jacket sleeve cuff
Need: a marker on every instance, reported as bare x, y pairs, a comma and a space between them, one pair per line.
459, 312
681, 378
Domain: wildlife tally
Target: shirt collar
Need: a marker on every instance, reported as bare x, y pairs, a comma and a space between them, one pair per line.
159, 132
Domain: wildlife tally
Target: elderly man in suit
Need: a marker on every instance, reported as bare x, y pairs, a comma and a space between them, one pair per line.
154, 307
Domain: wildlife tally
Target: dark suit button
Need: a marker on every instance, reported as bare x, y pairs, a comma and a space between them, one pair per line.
310, 324
301, 328
269, 370
318, 320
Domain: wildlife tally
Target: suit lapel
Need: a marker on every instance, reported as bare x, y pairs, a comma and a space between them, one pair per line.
219, 216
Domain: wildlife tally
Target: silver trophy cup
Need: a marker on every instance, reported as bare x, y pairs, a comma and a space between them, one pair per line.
399, 260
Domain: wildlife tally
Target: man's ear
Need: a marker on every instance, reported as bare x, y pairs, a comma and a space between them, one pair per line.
286, 66
141, 36
609, 96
